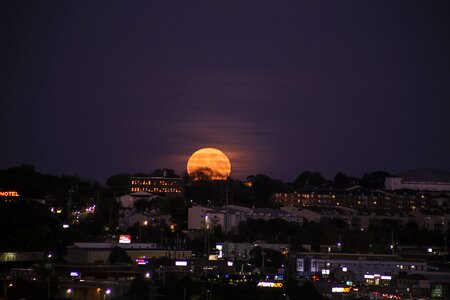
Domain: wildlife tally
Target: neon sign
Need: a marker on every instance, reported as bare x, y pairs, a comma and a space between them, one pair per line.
9, 193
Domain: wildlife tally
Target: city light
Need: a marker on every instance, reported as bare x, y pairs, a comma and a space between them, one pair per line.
340, 289
141, 261
270, 284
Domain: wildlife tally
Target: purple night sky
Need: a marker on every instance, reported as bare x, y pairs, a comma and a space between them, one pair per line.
97, 89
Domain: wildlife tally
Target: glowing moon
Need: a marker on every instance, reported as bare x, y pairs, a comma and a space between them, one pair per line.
210, 160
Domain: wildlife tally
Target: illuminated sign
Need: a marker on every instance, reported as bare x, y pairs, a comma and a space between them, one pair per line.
340, 289
74, 274
270, 284
383, 277
181, 263
124, 239
437, 291
141, 261
220, 248
9, 193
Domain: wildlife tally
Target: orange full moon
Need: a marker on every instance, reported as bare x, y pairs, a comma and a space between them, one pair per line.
213, 163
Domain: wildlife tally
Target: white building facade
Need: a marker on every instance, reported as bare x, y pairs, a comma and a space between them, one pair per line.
229, 217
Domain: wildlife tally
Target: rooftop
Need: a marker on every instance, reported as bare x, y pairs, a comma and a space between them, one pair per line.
425, 175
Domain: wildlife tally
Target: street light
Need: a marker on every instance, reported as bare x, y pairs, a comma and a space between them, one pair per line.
107, 293
145, 223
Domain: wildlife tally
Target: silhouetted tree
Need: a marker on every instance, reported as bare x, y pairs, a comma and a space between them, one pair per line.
139, 289
374, 180
273, 259
341, 180
119, 182
308, 178
262, 190
205, 174
119, 255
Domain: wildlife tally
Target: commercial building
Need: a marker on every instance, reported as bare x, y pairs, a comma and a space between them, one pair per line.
373, 269
95, 253
240, 251
168, 187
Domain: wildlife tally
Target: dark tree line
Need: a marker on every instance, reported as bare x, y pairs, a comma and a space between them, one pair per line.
377, 238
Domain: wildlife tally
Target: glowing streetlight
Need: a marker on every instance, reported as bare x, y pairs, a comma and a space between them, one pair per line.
145, 223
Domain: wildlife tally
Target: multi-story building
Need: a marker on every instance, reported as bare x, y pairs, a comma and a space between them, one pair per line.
168, 187
356, 197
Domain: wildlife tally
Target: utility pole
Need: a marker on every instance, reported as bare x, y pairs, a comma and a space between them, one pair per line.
226, 203
5, 289
263, 254
69, 205
392, 242
445, 235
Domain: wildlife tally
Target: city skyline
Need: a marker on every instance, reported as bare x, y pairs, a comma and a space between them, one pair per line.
106, 88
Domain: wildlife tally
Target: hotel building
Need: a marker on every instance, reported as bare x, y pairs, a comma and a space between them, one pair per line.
168, 187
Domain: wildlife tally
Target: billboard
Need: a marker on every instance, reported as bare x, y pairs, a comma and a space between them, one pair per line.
124, 239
